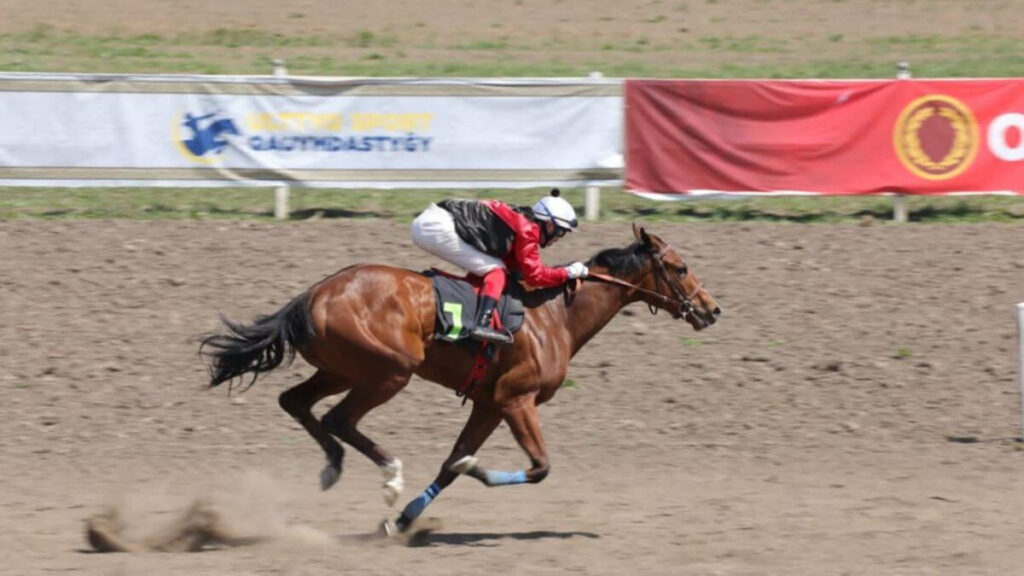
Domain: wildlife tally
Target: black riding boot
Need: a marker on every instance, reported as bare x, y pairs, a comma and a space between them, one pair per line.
483, 329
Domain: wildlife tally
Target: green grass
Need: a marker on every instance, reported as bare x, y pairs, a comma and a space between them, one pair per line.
903, 353
745, 44
403, 205
373, 53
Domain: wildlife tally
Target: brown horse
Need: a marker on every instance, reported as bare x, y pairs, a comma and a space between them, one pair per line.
368, 328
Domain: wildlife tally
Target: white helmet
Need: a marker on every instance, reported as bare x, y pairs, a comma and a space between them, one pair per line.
556, 209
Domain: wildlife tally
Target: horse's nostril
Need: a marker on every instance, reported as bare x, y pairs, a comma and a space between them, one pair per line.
717, 311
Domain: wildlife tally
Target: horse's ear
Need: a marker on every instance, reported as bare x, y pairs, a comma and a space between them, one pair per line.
640, 234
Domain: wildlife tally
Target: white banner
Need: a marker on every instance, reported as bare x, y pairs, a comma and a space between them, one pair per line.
82, 130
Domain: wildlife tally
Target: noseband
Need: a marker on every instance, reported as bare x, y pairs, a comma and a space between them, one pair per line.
683, 303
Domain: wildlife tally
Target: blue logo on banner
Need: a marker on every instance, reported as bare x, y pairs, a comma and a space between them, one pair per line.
206, 133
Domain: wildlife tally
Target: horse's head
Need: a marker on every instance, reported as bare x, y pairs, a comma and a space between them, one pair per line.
673, 286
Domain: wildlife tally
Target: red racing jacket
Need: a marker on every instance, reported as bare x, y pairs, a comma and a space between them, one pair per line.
508, 233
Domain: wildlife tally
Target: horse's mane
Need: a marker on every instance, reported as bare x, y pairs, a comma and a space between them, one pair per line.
621, 261
617, 261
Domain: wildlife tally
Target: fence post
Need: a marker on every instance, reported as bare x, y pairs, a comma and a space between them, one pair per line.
592, 204
280, 70
899, 201
592, 196
281, 193
1020, 363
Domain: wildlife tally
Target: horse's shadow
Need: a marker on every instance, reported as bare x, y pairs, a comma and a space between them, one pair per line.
491, 538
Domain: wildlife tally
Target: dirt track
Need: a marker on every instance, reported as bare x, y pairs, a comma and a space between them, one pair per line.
806, 434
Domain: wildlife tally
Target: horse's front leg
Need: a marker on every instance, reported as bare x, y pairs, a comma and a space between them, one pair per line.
482, 422
521, 416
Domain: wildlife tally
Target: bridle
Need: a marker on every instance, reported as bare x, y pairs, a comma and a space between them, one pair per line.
682, 302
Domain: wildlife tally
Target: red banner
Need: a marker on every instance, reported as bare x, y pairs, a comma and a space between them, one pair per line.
825, 137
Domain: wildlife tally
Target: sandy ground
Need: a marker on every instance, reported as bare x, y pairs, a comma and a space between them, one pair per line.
806, 434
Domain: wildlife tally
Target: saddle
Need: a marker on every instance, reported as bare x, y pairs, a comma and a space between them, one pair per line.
456, 303
455, 311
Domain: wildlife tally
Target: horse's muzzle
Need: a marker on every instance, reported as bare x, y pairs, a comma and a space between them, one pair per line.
701, 318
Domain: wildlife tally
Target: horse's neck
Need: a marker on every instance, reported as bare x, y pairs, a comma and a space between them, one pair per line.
593, 307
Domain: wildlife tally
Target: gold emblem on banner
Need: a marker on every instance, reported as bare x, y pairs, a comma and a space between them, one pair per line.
936, 137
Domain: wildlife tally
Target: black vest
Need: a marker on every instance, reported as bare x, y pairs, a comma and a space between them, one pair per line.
481, 228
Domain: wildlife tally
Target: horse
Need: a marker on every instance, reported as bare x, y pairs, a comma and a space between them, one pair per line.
368, 328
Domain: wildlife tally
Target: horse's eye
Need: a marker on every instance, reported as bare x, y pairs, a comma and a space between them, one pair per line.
682, 270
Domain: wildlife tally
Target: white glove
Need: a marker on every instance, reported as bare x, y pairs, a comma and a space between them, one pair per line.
577, 270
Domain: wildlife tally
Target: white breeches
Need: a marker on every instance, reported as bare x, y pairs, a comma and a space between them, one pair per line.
434, 231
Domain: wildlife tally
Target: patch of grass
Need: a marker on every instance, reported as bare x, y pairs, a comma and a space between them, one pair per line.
404, 205
363, 39
38, 33
237, 37
919, 42
902, 353
691, 342
499, 44
569, 383
745, 44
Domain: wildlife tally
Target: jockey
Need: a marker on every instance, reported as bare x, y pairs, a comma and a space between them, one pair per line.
487, 237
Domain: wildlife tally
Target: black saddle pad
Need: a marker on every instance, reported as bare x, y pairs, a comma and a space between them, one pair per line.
456, 303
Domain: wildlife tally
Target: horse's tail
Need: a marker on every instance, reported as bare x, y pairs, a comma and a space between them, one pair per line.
261, 346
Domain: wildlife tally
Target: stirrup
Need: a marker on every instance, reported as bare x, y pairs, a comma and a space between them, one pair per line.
488, 334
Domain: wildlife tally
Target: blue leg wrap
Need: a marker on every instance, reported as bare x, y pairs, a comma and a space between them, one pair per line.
419, 504
500, 478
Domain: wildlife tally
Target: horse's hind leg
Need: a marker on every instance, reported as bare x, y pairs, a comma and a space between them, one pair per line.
343, 419
299, 400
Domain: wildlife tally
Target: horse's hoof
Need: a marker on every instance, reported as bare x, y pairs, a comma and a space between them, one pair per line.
387, 529
329, 476
463, 465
